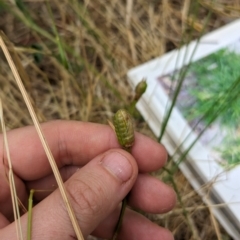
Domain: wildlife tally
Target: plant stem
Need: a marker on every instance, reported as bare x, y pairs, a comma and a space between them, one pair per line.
29, 223
120, 219
180, 80
123, 208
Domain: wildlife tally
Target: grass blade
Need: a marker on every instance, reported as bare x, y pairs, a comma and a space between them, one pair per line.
41, 136
14, 197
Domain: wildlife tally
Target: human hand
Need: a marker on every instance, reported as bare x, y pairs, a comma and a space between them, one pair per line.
97, 176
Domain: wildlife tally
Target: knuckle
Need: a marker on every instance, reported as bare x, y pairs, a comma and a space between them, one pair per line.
86, 200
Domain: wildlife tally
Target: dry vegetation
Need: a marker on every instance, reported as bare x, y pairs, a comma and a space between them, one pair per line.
77, 53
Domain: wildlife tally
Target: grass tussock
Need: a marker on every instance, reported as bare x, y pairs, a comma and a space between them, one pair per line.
77, 53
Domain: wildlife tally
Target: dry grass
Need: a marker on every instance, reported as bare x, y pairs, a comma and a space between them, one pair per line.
77, 53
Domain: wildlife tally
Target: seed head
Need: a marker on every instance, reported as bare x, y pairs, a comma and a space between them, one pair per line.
140, 89
123, 124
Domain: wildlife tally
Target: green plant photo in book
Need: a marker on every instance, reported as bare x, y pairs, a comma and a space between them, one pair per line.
211, 91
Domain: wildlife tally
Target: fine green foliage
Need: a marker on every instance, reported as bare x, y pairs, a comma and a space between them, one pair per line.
230, 150
210, 88
215, 74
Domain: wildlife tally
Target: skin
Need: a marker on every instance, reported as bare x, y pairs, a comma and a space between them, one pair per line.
97, 173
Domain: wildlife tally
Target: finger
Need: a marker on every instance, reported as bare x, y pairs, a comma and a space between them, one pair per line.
134, 226
5, 193
151, 195
74, 143
94, 191
148, 193
3, 221
45, 186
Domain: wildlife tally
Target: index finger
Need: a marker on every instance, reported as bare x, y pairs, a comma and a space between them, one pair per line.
74, 143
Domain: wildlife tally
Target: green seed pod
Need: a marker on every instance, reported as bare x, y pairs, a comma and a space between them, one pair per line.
140, 89
123, 124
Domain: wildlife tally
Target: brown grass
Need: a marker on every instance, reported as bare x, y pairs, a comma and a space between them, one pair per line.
82, 76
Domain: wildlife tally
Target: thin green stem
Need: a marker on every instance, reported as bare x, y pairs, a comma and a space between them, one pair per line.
184, 211
181, 78
62, 53
29, 224
120, 219
122, 212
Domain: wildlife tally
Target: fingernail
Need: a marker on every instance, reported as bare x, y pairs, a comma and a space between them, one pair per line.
118, 165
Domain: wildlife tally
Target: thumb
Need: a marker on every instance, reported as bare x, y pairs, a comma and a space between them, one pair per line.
94, 192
